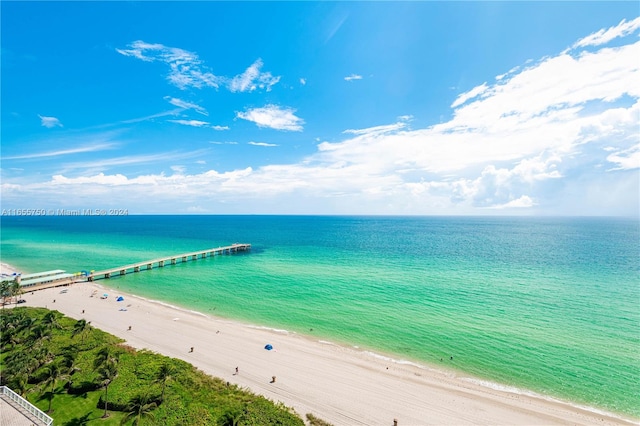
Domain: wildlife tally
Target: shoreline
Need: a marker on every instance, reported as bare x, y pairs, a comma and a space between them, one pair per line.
7, 270
338, 383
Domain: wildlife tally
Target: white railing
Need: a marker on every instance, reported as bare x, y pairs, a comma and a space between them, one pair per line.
32, 409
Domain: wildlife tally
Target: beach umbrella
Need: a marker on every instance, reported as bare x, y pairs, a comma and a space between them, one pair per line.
119, 299
105, 295
268, 347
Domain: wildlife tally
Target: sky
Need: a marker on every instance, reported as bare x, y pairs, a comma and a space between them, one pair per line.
328, 108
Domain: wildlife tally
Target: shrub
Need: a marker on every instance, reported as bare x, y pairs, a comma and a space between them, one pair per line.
191, 397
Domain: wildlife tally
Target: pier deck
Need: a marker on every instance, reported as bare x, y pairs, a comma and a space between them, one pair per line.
169, 260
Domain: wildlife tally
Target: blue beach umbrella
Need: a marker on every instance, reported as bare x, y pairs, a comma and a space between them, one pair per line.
119, 299
268, 347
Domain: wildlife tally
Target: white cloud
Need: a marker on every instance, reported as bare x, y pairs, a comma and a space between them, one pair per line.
522, 202
556, 135
68, 151
274, 117
186, 105
137, 48
475, 92
186, 68
179, 169
303, 81
376, 130
129, 160
262, 144
50, 122
198, 123
192, 123
624, 28
628, 159
353, 77
150, 117
252, 79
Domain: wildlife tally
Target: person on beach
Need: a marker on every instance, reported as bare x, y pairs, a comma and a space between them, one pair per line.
191, 349
236, 370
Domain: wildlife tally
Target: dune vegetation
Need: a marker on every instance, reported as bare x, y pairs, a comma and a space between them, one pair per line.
81, 375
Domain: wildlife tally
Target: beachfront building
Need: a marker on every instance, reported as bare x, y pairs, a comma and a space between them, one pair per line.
56, 276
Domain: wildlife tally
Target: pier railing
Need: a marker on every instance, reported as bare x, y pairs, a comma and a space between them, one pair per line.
17, 400
173, 260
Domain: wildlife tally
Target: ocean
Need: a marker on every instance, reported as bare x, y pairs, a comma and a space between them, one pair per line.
544, 305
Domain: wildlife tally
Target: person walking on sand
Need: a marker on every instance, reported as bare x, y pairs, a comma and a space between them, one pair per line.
236, 370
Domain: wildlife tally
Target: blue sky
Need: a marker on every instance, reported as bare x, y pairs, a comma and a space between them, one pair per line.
417, 108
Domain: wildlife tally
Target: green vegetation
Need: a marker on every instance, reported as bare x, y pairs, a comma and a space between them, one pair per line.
314, 421
81, 375
10, 290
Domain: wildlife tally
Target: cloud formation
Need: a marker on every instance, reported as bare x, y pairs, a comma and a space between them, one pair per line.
186, 105
274, 117
186, 68
61, 152
539, 137
252, 79
198, 123
192, 123
624, 28
49, 122
353, 77
262, 144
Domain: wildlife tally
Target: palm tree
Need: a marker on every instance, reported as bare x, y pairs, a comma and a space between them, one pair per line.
68, 363
5, 291
15, 289
165, 373
25, 323
69, 360
41, 356
138, 408
9, 337
53, 374
105, 355
108, 371
19, 384
50, 320
38, 334
81, 327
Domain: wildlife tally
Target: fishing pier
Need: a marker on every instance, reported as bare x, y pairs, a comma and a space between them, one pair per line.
169, 260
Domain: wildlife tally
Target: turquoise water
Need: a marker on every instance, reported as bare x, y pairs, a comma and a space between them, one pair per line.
544, 304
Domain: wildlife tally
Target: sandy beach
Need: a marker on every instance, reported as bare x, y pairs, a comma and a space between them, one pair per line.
342, 385
7, 271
